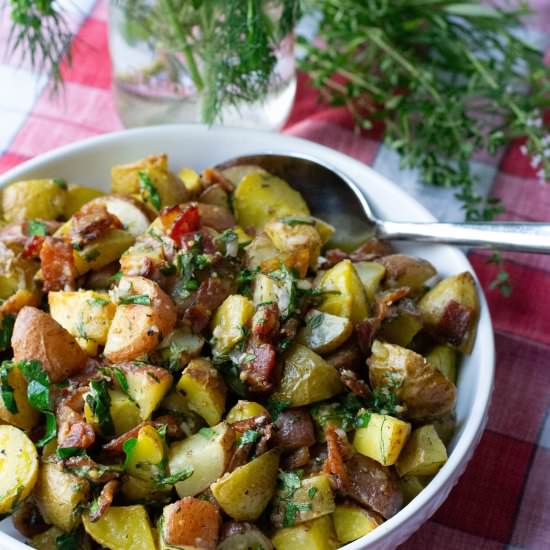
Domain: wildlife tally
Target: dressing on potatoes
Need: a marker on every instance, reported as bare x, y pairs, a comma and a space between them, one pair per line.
187, 366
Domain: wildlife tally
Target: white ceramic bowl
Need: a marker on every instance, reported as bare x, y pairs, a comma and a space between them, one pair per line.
89, 162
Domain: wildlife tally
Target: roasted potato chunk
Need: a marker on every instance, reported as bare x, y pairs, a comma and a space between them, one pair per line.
371, 275
147, 385
46, 540
407, 271
229, 322
18, 467
59, 494
243, 536
17, 411
77, 197
443, 358
266, 289
151, 179
178, 348
36, 335
245, 492
450, 311
34, 199
207, 452
352, 522
261, 197
422, 388
121, 528
146, 461
87, 315
317, 534
382, 439
306, 378
245, 409
191, 523
204, 390
125, 413
324, 332
345, 294
423, 455
411, 486
144, 315
311, 500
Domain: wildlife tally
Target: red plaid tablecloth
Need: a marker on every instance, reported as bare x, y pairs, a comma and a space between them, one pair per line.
503, 499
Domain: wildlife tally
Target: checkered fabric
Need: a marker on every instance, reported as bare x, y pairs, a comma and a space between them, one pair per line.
503, 499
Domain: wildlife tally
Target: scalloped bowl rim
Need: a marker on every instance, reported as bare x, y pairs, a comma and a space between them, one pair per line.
222, 143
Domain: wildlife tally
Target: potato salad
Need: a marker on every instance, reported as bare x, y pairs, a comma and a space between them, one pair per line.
188, 363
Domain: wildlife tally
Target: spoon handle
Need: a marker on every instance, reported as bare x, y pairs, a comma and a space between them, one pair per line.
519, 236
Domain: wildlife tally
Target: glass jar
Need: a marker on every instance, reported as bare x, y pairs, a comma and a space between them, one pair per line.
154, 84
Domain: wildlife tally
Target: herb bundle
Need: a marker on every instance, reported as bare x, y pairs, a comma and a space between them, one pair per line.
446, 78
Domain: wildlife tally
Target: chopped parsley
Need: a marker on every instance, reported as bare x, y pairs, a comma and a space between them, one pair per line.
99, 401
316, 321
276, 407
67, 452
289, 483
362, 420
312, 491
244, 280
92, 254
38, 394
148, 190
36, 228
384, 401
117, 276
128, 447
120, 377
297, 221
188, 264
228, 236
8, 395
175, 478
250, 436
136, 299
207, 433
97, 301
68, 541
291, 511
60, 182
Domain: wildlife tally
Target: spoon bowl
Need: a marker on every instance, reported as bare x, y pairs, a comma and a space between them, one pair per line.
335, 198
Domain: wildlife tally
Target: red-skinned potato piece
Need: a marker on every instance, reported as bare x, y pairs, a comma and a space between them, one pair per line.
138, 328
294, 429
36, 335
191, 523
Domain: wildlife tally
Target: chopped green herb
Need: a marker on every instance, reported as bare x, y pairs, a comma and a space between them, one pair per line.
118, 373
36, 228
276, 407
312, 491
128, 447
6, 330
289, 482
38, 384
68, 541
297, 221
192, 284
228, 236
175, 478
97, 301
362, 421
8, 396
291, 511
117, 276
383, 400
99, 401
244, 280
152, 233
67, 452
60, 182
92, 254
76, 246
316, 321
250, 436
81, 327
148, 190
137, 299
207, 433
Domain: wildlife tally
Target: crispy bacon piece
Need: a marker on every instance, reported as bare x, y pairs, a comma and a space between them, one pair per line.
210, 295
27, 519
90, 224
368, 251
355, 385
18, 233
454, 323
349, 356
172, 430
334, 464
252, 423
57, 263
210, 176
265, 323
290, 329
186, 222
258, 368
262, 425
73, 430
104, 500
33, 246
89, 469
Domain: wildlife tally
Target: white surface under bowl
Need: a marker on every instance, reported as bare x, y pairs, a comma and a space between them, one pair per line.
89, 163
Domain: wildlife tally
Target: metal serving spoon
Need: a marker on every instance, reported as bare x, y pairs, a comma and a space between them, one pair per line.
335, 198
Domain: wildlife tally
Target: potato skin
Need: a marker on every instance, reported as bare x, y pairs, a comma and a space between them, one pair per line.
33, 199
137, 329
18, 467
450, 311
36, 335
191, 522
404, 270
424, 389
